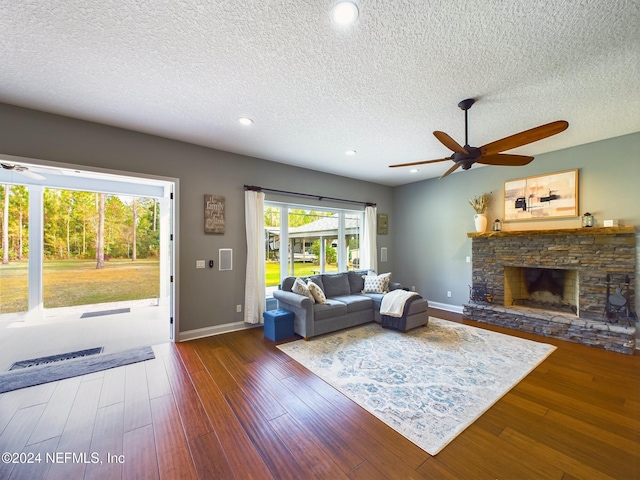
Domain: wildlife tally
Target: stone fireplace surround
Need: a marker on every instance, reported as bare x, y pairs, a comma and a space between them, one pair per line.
591, 252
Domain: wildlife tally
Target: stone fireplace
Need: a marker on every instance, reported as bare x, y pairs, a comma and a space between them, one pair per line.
557, 283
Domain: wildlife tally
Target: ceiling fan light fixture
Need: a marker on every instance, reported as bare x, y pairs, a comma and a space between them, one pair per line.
246, 121
344, 13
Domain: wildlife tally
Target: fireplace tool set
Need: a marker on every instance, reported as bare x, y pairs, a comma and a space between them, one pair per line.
480, 294
618, 303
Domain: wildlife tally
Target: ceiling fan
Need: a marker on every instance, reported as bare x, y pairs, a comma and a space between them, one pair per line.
22, 170
489, 154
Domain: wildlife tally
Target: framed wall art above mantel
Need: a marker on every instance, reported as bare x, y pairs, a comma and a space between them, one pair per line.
541, 197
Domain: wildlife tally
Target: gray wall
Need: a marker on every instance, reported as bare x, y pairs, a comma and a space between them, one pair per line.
206, 297
434, 216
429, 220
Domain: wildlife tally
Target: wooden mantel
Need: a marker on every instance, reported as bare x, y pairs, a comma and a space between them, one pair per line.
623, 230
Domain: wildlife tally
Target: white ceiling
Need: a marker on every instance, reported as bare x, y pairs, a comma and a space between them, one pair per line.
189, 69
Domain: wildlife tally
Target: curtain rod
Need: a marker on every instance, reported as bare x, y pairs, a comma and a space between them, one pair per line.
308, 195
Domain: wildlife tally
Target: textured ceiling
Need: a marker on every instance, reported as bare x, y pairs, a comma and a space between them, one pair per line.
188, 70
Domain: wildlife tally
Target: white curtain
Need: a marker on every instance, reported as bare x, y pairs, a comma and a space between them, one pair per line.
254, 287
369, 256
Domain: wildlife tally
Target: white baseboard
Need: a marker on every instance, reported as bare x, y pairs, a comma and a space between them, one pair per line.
215, 330
446, 307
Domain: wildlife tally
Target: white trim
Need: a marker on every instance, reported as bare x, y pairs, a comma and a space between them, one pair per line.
215, 330
35, 292
446, 307
341, 232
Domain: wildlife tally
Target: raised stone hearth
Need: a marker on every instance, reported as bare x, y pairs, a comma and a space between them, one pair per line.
589, 255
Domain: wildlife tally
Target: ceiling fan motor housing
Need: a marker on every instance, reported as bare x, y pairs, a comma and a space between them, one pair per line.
467, 159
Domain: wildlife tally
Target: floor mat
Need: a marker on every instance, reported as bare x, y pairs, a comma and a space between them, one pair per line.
27, 377
55, 358
105, 312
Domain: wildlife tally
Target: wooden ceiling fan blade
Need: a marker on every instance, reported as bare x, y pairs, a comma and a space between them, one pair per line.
505, 159
451, 170
424, 162
524, 138
449, 142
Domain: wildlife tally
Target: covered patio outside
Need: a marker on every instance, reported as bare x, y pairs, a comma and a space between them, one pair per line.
314, 248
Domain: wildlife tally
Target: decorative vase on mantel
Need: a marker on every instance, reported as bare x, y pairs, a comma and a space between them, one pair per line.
481, 222
480, 204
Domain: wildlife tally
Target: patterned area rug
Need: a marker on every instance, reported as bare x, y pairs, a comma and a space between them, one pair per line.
428, 384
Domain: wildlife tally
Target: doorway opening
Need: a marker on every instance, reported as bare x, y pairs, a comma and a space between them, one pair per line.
88, 260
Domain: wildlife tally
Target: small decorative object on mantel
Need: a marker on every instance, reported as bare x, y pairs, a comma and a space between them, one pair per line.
480, 205
587, 220
214, 206
497, 225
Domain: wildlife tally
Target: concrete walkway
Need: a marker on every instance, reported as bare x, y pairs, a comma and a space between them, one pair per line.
63, 330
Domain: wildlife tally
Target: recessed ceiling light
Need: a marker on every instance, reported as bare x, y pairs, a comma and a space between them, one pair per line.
245, 121
414, 170
351, 152
344, 13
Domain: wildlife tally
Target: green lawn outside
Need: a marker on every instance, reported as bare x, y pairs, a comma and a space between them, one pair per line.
78, 282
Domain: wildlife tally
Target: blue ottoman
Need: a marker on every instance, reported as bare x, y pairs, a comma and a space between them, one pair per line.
278, 324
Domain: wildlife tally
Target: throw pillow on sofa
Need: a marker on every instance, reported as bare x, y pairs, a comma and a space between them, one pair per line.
301, 288
317, 293
376, 283
356, 282
335, 284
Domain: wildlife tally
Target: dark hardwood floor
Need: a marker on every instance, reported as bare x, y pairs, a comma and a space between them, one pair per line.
233, 406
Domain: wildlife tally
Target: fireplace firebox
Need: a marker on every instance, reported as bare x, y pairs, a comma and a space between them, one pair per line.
552, 289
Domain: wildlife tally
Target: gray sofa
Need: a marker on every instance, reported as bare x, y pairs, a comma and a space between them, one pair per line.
347, 305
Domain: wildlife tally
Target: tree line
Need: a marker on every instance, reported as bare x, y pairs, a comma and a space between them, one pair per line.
81, 225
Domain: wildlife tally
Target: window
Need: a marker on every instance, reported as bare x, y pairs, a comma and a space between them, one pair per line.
311, 240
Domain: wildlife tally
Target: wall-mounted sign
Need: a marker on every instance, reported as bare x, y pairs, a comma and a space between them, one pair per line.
214, 214
383, 224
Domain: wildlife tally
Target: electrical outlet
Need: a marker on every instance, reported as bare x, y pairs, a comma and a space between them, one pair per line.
468, 259
199, 263
238, 308
413, 288
449, 293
